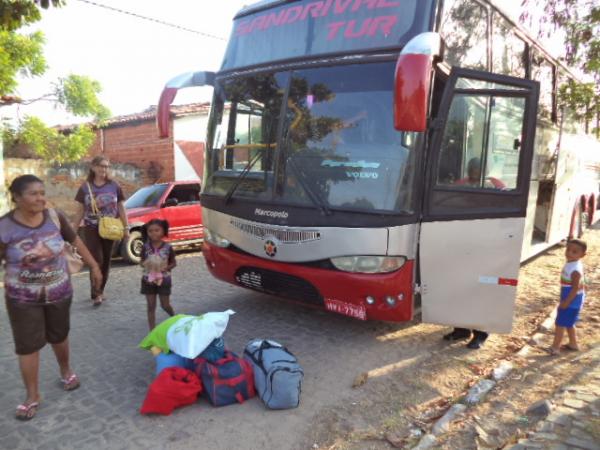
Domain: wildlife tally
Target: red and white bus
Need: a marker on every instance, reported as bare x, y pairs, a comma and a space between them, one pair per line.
368, 156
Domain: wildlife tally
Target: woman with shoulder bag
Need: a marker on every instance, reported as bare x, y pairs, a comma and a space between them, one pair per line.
100, 204
37, 284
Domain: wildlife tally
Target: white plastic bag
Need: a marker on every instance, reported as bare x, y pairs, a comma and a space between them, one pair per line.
189, 336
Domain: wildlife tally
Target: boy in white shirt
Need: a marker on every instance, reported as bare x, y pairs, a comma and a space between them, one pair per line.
572, 296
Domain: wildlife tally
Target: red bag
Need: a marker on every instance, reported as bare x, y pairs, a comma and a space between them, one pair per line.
172, 388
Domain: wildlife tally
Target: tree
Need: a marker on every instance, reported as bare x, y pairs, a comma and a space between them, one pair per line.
579, 20
22, 54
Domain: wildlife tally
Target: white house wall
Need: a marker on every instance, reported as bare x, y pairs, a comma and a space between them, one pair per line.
189, 128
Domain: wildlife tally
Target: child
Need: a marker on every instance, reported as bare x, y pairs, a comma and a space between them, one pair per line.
158, 258
572, 296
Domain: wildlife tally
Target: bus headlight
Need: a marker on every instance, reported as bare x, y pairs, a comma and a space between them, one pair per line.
215, 239
368, 264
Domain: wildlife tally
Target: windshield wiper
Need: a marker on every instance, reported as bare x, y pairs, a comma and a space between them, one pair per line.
314, 197
239, 179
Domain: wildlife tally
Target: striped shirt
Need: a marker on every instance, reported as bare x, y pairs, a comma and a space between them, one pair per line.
566, 276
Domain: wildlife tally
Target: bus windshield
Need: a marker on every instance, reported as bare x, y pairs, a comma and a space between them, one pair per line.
337, 148
309, 28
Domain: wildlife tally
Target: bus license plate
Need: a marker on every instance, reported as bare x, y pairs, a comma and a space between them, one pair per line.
348, 309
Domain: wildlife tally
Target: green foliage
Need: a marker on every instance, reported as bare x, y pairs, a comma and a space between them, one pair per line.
16, 13
53, 146
23, 55
19, 54
79, 95
580, 98
580, 22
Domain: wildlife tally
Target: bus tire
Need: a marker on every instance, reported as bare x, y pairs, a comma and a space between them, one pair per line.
131, 249
583, 221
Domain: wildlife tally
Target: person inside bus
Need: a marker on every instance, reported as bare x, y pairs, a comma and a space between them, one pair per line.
473, 177
349, 130
477, 339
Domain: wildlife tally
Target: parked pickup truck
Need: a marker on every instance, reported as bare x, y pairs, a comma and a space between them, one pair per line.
177, 202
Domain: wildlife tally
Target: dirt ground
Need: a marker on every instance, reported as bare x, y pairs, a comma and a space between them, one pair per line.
394, 404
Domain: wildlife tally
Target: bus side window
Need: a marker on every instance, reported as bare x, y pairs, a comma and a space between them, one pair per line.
509, 55
465, 31
543, 71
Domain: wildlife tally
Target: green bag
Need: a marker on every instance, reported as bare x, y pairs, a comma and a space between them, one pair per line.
158, 336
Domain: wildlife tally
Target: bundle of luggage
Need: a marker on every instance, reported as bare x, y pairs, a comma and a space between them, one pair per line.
192, 361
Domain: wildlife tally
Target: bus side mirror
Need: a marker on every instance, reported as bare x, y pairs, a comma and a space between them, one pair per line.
189, 79
412, 81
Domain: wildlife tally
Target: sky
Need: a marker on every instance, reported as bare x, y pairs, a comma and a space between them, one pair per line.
132, 58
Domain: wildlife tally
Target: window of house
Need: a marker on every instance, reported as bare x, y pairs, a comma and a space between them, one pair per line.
465, 31
509, 56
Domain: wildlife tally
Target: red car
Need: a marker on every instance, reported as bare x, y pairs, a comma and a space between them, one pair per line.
177, 202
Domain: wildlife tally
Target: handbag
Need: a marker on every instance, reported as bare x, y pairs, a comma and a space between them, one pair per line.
110, 228
74, 260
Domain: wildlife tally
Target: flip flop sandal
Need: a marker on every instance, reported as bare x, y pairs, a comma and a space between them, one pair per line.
553, 351
26, 412
568, 348
97, 301
71, 383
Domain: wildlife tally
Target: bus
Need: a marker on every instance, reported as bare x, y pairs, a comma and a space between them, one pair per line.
376, 158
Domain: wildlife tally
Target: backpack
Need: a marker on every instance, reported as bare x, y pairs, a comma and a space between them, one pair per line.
277, 374
227, 380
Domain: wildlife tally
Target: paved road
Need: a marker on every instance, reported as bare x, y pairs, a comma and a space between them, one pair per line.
115, 374
575, 421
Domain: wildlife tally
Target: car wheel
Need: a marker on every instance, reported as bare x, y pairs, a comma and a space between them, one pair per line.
131, 249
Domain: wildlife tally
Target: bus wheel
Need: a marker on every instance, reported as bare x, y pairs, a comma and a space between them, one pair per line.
131, 250
578, 223
584, 221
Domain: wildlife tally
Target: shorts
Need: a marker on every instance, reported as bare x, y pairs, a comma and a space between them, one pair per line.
35, 325
151, 288
567, 317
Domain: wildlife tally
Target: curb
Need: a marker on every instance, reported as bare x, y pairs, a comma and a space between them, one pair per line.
480, 389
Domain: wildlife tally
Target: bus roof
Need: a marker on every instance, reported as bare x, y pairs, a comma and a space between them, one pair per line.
262, 5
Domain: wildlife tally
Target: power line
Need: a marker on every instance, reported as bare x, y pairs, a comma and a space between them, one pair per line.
151, 19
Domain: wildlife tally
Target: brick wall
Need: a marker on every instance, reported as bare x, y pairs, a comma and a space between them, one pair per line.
138, 144
63, 181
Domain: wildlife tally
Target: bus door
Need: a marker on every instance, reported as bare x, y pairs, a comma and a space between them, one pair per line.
475, 200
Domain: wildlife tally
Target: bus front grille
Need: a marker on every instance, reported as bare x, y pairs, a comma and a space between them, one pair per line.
276, 283
283, 235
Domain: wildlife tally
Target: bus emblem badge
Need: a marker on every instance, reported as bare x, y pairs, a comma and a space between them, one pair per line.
270, 248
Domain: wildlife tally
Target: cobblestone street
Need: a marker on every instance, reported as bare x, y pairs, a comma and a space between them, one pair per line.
333, 350
576, 419
115, 374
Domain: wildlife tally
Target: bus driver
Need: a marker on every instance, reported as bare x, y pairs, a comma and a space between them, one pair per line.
473, 177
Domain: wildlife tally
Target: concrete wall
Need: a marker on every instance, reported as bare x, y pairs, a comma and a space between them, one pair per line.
62, 182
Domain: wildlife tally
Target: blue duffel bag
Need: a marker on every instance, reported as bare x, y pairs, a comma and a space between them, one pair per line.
277, 374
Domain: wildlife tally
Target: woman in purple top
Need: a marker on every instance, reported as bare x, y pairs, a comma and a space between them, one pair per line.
37, 284
109, 199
